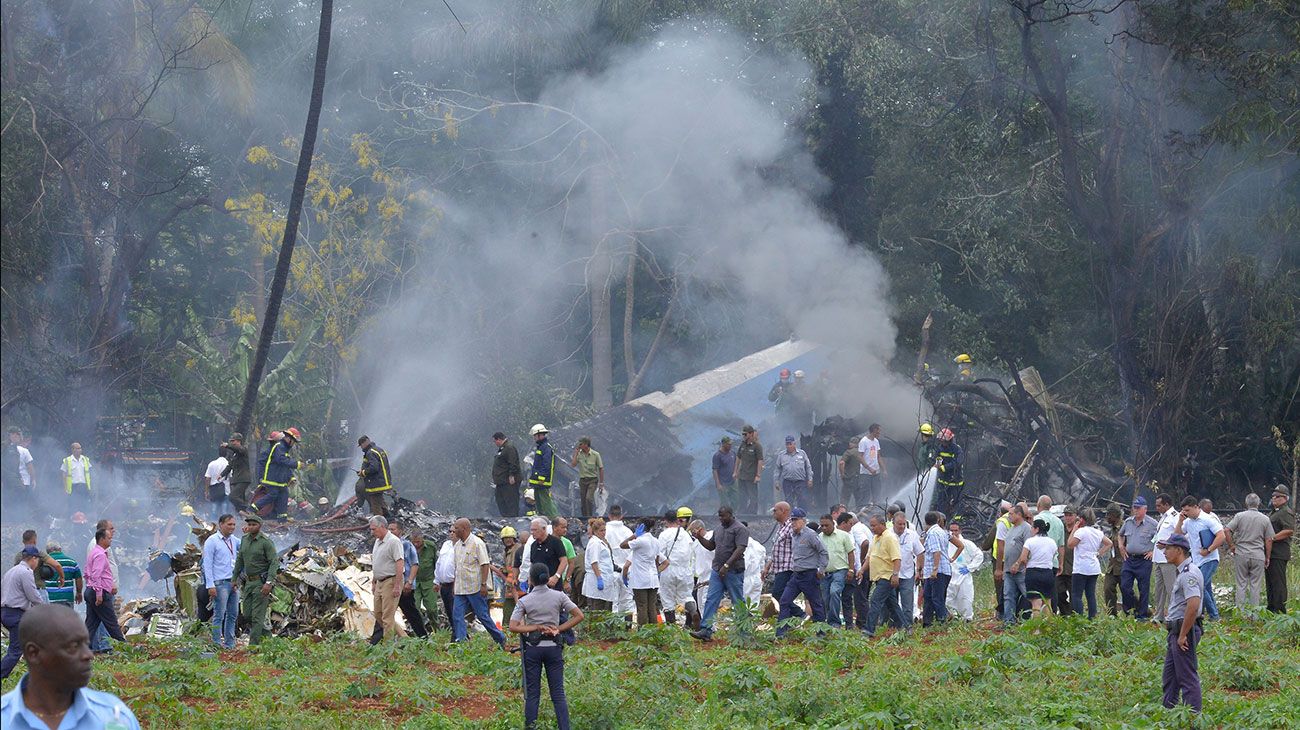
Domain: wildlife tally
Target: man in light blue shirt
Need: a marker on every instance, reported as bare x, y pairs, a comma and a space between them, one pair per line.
54, 692
937, 569
1205, 534
218, 569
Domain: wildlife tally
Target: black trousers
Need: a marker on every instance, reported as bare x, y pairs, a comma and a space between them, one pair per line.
1062, 602
507, 496
102, 615
447, 592
11, 617
1275, 585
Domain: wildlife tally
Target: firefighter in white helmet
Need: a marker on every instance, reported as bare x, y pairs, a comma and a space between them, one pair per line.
543, 471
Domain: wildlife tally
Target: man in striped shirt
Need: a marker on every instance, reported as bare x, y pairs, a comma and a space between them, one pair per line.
67, 593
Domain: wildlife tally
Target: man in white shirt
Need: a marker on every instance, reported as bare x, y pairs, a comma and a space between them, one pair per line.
218, 491
18, 466
677, 582
1164, 571
911, 550
615, 533
873, 467
76, 479
444, 573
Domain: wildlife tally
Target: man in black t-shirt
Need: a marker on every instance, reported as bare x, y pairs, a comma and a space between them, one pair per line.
546, 549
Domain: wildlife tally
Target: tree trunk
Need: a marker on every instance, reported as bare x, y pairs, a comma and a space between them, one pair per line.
291, 223
629, 312
599, 270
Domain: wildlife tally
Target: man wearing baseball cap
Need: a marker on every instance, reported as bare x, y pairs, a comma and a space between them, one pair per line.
1183, 622
256, 563
808, 559
19, 594
749, 470
794, 474
1136, 547
1283, 520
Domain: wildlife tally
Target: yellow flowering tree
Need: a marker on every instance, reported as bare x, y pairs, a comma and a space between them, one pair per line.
359, 220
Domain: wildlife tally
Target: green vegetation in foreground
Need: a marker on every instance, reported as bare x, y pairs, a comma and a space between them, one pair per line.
1055, 673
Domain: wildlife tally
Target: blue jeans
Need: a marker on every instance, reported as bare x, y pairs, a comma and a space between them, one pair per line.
733, 584
99, 639
552, 659
906, 601
805, 582
778, 587
479, 605
833, 596
1084, 586
884, 600
935, 607
1013, 589
225, 612
1207, 570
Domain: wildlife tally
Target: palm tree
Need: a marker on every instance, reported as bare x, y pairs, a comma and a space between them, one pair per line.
281, 277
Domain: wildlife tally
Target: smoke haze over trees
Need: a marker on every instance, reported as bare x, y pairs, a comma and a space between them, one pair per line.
568, 204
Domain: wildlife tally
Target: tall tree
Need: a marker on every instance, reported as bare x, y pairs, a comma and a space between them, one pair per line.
281, 277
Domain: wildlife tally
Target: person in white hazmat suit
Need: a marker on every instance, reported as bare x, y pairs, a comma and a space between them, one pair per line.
615, 533
961, 590
755, 559
677, 581
703, 563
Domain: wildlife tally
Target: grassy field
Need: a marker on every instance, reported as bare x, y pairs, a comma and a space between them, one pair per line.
1052, 673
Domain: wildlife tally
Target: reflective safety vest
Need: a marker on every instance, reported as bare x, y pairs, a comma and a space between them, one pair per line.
67, 472
376, 474
950, 471
543, 465
1005, 523
270, 461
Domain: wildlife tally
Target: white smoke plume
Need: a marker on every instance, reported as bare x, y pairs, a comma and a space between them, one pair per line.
691, 143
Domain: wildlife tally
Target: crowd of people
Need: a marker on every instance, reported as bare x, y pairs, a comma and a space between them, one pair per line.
843, 570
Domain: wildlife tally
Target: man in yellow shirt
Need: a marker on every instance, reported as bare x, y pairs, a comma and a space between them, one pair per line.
884, 561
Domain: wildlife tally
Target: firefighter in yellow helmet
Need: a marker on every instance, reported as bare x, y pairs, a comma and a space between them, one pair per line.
965, 367
509, 570
926, 450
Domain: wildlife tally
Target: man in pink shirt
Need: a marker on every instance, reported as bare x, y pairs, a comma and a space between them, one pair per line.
101, 589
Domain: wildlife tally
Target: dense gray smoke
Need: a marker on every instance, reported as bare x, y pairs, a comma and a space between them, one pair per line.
691, 144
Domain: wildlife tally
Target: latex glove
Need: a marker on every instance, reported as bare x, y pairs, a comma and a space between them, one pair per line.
625, 580
523, 586
964, 570
600, 582
640, 530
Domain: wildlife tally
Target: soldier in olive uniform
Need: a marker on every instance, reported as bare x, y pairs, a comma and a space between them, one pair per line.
238, 470
256, 565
